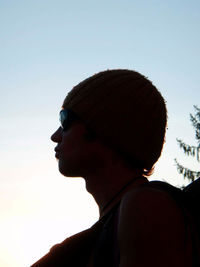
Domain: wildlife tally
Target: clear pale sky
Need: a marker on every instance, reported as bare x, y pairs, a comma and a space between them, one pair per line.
47, 47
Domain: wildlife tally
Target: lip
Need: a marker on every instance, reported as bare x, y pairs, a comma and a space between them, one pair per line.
56, 149
57, 155
57, 152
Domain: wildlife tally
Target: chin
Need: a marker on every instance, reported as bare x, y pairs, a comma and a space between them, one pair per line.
67, 172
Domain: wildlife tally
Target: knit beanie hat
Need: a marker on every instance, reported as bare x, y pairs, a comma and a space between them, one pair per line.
125, 110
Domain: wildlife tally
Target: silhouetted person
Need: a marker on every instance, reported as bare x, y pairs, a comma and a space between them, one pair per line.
112, 133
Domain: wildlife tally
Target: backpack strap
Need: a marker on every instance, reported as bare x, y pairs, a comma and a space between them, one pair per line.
193, 189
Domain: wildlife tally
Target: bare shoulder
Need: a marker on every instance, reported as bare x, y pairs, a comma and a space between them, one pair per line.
145, 197
150, 221
154, 207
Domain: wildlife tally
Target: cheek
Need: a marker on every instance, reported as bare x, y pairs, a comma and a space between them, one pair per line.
68, 140
72, 144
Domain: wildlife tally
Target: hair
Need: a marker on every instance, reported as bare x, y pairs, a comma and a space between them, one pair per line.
133, 163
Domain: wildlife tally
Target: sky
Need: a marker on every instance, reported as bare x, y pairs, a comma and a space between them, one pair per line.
46, 48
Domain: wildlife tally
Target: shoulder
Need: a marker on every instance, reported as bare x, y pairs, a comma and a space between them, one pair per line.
147, 201
146, 196
150, 221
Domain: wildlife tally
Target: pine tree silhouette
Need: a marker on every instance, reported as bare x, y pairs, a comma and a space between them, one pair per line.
189, 150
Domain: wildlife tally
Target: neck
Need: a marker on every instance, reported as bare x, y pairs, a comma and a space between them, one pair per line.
110, 185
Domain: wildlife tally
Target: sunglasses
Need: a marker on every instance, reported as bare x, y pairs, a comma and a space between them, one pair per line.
66, 117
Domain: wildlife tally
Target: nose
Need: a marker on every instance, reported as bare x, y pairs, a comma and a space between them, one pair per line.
57, 136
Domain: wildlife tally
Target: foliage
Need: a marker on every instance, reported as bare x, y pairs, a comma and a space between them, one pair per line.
189, 150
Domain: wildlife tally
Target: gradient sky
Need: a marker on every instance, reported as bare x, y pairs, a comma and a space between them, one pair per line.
47, 47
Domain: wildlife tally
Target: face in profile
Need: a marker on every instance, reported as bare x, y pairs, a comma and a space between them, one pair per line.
76, 155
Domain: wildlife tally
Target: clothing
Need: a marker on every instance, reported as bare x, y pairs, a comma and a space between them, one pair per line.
106, 251
75, 251
98, 246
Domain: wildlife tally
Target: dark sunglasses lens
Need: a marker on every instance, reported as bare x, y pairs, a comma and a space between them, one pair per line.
63, 118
